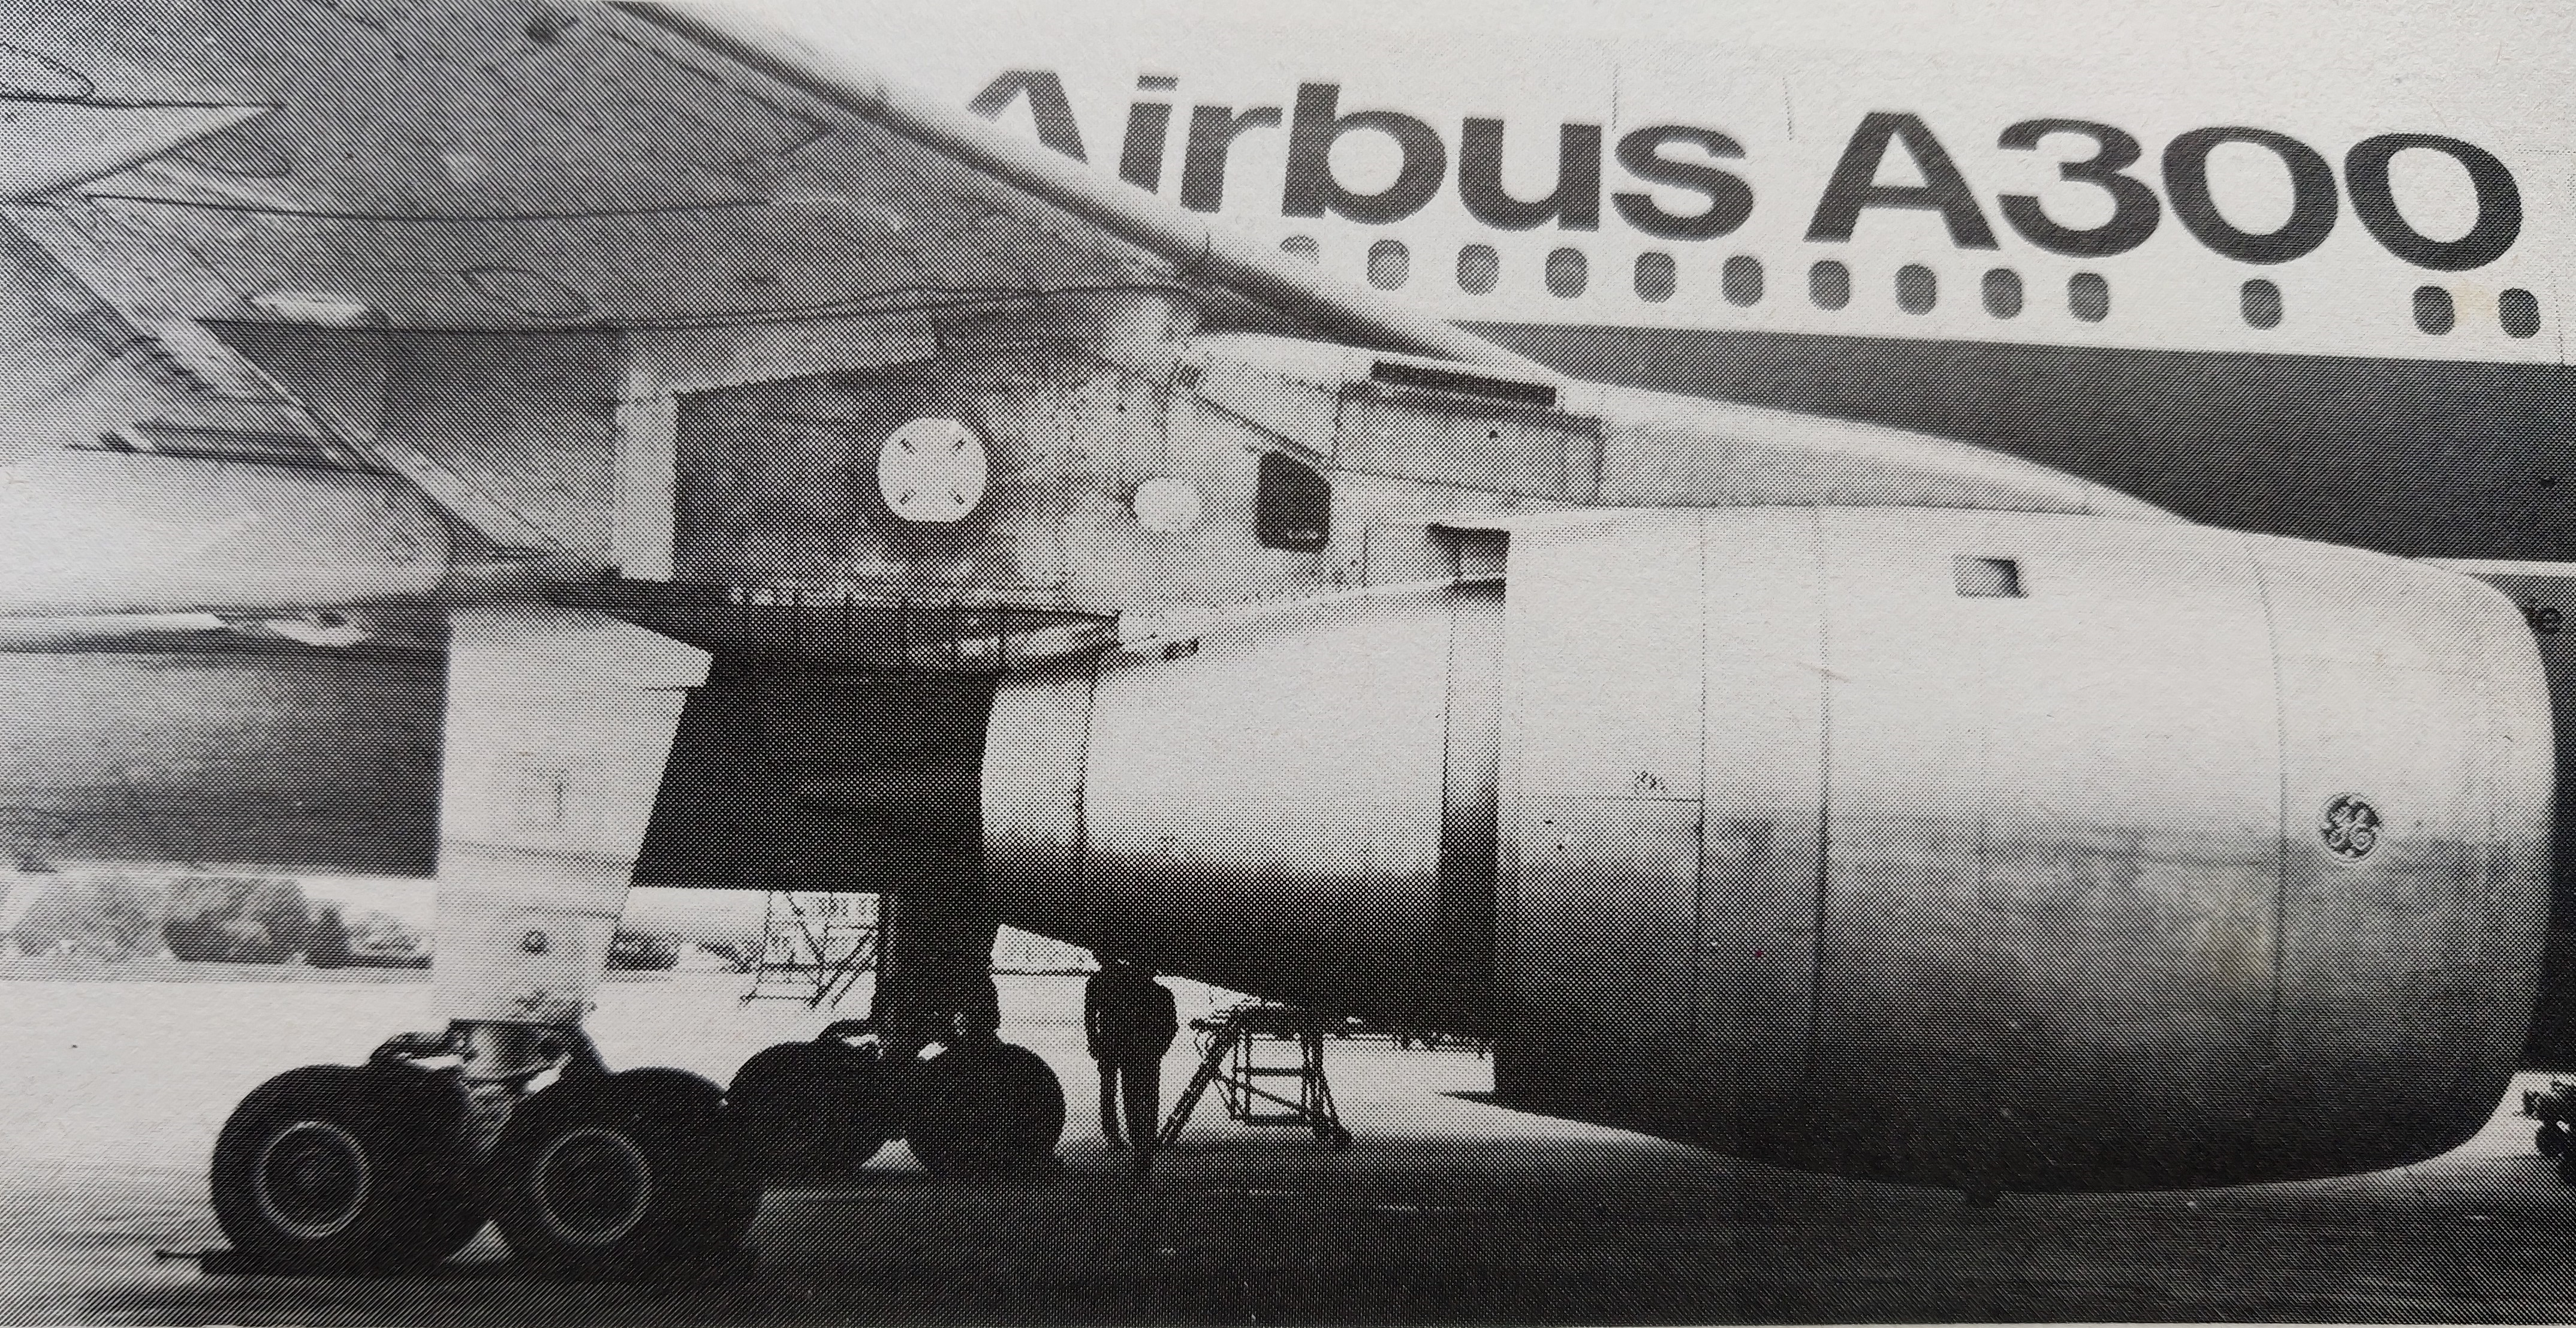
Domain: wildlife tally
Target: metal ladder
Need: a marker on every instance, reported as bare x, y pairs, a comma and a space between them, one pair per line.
1230, 1060
813, 947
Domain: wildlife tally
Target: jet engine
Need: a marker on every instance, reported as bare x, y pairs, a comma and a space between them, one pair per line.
1994, 850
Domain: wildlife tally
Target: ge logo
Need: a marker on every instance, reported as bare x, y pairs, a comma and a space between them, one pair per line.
2544, 618
2350, 828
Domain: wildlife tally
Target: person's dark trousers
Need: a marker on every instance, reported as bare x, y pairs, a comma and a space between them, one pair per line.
1108, 1071
1138, 1086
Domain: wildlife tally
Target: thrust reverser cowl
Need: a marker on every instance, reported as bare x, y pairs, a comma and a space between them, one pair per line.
2120, 854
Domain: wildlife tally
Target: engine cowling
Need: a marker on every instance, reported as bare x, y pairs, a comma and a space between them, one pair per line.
1998, 850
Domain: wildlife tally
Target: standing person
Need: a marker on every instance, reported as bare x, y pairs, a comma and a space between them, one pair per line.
1130, 1021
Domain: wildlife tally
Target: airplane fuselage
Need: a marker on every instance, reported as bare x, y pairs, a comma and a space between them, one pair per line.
2264, 287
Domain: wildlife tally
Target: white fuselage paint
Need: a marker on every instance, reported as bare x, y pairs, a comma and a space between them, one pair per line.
1793, 88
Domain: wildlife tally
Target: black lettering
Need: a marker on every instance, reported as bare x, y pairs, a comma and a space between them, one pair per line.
1943, 189
2499, 224
2312, 195
1213, 130
1730, 200
1312, 190
1047, 106
1576, 204
1140, 162
2134, 209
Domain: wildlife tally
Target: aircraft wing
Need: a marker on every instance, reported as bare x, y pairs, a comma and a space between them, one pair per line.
741, 206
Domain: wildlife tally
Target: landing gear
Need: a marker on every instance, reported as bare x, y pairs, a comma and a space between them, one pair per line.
560, 727
392, 1167
347, 1169
2555, 1108
972, 1105
623, 1175
985, 1109
814, 1108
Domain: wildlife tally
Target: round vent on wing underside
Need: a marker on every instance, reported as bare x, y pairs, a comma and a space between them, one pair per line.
933, 471
529, 294
31, 77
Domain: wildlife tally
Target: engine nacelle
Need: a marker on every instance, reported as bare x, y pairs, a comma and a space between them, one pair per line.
1996, 850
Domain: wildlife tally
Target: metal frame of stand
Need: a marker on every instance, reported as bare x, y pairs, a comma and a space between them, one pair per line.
1231, 1045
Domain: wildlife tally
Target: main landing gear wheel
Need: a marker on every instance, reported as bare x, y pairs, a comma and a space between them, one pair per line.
2551, 1140
623, 1175
343, 1169
985, 1110
812, 1108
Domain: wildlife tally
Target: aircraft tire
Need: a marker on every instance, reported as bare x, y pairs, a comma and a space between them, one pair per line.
2550, 1140
985, 1111
346, 1169
624, 1176
811, 1108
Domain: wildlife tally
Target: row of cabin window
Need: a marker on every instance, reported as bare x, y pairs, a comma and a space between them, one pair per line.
1829, 285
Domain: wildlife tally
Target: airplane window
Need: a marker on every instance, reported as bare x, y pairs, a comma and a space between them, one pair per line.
1743, 280
2519, 311
1916, 288
2262, 302
1655, 277
1295, 505
1389, 264
2433, 310
1829, 284
2088, 296
2003, 292
1299, 246
1567, 273
1478, 268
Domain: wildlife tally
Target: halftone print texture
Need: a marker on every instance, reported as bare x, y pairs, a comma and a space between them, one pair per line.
1847, 663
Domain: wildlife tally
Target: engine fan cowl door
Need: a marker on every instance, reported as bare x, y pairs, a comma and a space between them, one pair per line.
2011, 849
2054, 763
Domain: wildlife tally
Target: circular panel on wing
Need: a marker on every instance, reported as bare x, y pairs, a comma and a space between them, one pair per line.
933, 471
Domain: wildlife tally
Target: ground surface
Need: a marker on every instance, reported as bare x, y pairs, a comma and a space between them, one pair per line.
1445, 1211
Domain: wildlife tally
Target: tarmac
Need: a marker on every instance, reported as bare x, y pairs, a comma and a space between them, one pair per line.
1445, 1209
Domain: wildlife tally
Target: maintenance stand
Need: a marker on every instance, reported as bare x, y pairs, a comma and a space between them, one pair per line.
1232, 1046
814, 946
